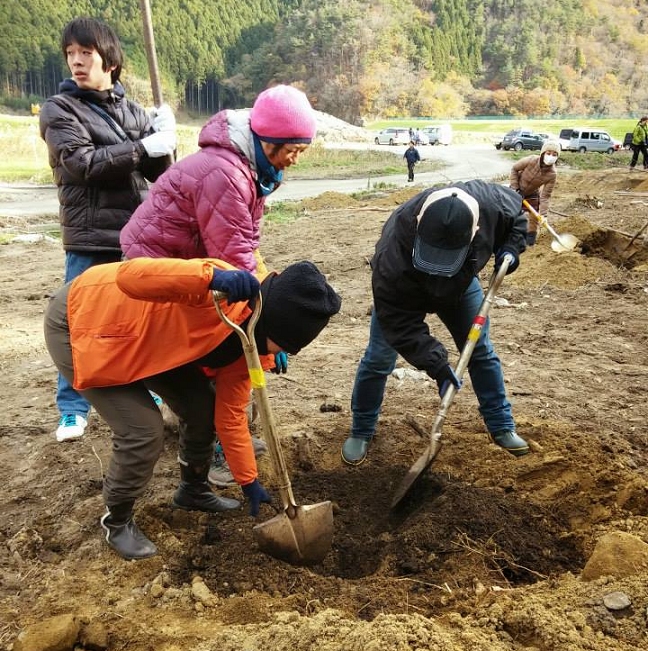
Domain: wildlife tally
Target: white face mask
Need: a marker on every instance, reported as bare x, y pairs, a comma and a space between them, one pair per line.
550, 159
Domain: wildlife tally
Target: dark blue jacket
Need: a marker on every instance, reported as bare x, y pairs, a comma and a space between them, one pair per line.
411, 155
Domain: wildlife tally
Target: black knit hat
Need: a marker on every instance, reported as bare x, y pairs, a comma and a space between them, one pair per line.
297, 305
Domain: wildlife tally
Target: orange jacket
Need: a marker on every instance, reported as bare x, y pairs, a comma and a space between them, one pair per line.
131, 320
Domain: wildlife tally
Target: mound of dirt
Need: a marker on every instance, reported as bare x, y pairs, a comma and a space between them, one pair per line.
486, 552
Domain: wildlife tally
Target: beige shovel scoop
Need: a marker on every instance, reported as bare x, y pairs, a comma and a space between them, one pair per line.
560, 243
299, 535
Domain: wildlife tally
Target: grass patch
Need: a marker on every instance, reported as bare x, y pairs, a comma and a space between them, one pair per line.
586, 162
595, 160
283, 212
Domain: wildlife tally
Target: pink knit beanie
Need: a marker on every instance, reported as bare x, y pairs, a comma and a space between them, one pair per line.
283, 114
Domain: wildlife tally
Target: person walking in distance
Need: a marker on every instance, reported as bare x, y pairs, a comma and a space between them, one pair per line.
102, 150
412, 157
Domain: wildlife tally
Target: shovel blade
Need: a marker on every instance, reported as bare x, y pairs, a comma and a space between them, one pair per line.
416, 471
564, 242
304, 539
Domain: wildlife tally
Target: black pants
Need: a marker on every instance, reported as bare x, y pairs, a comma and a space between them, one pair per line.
131, 413
410, 171
635, 154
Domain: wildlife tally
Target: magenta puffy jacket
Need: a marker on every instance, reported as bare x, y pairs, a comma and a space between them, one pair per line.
205, 205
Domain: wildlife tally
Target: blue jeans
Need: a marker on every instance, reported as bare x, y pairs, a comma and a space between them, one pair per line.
68, 400
485, 369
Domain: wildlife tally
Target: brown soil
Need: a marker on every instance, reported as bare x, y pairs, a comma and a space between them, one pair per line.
486, 552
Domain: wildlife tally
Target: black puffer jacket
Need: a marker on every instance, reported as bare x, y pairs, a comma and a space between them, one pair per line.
404, 296
101, 176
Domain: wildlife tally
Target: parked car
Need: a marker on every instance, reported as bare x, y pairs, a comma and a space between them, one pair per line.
584, 139
627, 140
393, 136
432, 134
519, 139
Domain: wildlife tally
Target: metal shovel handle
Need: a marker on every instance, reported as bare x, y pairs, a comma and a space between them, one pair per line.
431, 451
257, 378
479, 321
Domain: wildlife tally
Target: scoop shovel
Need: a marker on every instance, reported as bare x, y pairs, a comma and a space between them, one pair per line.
560, 243
426, 459
299, 535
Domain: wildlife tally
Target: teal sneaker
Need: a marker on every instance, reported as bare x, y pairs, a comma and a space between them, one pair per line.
70, 427
354, 450
511, 442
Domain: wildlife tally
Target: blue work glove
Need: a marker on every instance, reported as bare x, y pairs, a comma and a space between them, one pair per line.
499, 258
445, 377
238, 285
281, 363
256, 494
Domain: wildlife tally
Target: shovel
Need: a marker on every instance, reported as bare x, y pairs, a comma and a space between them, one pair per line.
426, 459
560, 243
151, 56
299, 535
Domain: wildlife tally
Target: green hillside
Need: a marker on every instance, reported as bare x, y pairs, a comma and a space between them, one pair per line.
358, 59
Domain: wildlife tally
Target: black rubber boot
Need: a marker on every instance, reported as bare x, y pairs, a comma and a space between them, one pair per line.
195, 493
123, 535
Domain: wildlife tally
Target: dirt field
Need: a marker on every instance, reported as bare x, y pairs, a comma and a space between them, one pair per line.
488, 552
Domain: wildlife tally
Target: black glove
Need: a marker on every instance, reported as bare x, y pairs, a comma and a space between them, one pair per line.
256, 494
499, 258
445, 377
238, 285
531, 239
281, 363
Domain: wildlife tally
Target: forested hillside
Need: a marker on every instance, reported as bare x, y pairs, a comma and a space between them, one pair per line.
358, 58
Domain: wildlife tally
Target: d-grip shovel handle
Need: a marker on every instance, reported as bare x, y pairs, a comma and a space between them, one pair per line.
257, 378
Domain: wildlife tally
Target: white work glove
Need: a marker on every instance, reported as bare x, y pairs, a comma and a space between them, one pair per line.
163, 118
160, 144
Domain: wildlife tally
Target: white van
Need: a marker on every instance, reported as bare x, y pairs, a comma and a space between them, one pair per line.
439, 135
585, 139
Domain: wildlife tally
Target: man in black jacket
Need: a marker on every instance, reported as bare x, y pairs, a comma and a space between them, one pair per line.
427, 261
102, 149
